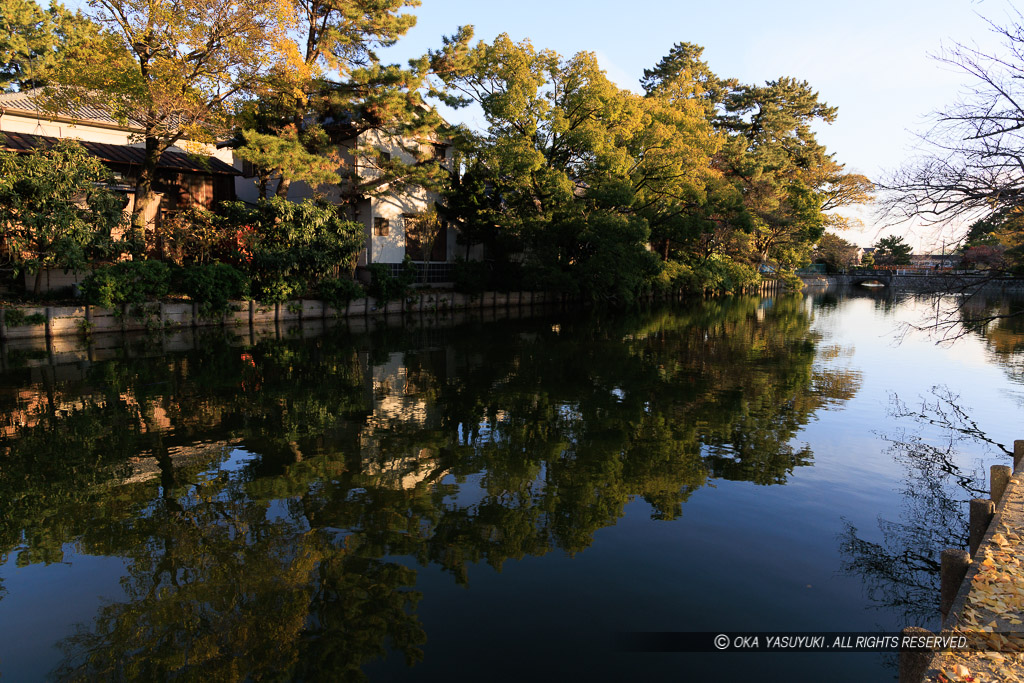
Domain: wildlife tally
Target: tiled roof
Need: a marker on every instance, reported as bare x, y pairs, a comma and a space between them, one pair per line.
30, 101
123, 154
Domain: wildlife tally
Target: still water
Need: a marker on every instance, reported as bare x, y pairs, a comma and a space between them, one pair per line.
494, 501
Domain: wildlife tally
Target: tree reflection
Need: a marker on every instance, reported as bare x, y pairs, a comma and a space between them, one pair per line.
901, 573
261, 496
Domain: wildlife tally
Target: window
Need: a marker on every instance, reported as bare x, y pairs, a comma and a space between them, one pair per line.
248, 169
440, 152
381, 228
385, 157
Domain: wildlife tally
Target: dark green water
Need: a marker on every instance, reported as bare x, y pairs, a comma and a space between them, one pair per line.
491, 501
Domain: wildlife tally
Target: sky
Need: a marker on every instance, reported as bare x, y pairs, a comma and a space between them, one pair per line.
872, 59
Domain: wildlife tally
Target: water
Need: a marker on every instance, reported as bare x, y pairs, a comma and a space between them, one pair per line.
493, 500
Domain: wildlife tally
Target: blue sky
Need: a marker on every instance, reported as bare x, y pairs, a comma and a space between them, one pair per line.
869, 58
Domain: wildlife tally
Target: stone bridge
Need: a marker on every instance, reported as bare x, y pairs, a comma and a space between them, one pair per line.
884, 277
922, 281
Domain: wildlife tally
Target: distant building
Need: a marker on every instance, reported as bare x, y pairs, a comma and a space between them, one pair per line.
861, 251
934, 261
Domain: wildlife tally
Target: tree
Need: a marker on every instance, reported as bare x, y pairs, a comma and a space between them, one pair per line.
54, 210
336, 91
836, 252
984, 257
288, 156
175, 68
776, 161
969, 163
892, 251
34, 40
291, 246
775, 188
576, 171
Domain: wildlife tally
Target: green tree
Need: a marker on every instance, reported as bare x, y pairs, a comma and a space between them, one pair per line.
774, 158
575, 170
776, 187
287, 155
33, 40
54, 210
892, 251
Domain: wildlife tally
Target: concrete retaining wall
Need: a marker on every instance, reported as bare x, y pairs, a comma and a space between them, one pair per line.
57, 321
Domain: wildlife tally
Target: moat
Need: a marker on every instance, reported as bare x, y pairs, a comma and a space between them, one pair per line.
494, 499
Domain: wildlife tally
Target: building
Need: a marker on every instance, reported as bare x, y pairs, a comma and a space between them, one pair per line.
193, 174
187, 175
390, 221
935, 261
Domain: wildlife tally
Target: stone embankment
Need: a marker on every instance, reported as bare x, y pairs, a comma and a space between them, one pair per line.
982, 592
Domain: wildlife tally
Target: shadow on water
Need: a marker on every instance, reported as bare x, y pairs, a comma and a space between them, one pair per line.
260, 490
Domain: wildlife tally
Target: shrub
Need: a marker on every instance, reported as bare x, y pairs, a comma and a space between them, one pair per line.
722, 274
15, 317
288, 247
386, 287
196, 235
127, 282
792, 281
275, 288
212, 286
675, 276
339, 291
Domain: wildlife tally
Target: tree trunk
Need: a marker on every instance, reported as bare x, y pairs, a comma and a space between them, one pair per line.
282, 187
264, 180
145, 197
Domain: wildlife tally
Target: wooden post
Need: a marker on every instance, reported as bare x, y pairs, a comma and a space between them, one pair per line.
982, 510
951, 574
999, 476
914, 661
1018, 453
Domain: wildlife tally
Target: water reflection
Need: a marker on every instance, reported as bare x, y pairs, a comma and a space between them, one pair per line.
901, 570
261, 496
